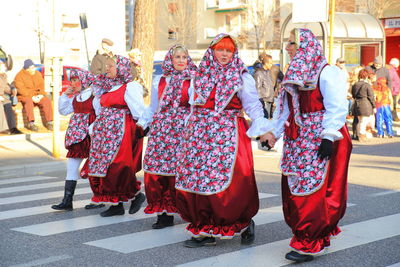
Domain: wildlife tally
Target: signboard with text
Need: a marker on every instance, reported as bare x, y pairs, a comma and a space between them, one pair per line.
392, 23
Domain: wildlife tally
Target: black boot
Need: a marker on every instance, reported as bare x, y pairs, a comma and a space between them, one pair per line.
248, 236
136, 203
69, 191
163, 221
114, 210
297, 257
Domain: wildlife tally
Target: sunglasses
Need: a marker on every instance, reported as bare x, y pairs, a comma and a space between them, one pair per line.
292, 43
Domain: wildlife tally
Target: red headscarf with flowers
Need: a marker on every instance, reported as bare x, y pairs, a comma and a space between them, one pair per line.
177, 77
103, 83
304, 69
211, 74
86, 77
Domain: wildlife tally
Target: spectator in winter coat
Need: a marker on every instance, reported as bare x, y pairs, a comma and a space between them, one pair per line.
394, 75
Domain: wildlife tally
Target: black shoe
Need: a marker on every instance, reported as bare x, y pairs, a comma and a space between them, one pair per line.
31, 126
200, 242
248, 235
297, 257
94, 206
66, 203
136, 203
114, 210
163, 221
49, 126
15, 131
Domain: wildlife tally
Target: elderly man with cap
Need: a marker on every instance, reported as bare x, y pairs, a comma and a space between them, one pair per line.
380, 71
98, 65
30, 91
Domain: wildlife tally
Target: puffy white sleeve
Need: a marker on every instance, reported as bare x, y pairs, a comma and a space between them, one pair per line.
96, 105
147, 116
334, 91
65, 105
134, 98
278, 120
253, 108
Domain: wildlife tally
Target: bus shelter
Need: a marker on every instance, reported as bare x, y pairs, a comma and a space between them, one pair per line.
358, 37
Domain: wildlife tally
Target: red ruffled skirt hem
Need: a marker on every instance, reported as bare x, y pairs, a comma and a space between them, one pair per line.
110, 199
223, 232
79, 150
313, 247
159, 209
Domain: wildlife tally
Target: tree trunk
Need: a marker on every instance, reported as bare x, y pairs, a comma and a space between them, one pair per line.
144, 35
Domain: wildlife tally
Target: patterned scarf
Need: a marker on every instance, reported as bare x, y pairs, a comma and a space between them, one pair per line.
86, 77
303, 71
103, 83
172, 93
211, 74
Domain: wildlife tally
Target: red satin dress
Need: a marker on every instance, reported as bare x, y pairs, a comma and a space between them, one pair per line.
228, 213
120, 183
81, 149
314, 218
160, 189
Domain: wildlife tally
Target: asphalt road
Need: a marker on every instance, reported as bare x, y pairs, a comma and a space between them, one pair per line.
34, 235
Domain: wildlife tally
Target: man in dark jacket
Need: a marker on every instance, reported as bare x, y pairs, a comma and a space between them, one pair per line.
380, 70
267, 78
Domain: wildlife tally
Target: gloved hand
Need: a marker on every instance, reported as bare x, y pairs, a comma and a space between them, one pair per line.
325, 149
264, 144
140, 133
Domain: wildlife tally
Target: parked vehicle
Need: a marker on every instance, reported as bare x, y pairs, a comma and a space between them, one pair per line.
65, 75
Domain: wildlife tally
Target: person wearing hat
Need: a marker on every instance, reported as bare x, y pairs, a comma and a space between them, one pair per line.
380, 70
30, 92
98, 65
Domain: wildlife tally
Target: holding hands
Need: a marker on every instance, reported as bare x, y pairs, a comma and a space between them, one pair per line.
268, 140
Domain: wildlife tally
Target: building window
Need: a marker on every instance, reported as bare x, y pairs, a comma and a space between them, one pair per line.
212, 4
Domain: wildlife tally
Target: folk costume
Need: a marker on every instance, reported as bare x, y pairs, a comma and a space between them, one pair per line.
77, 140
216, 187
311, 113
384, 101
166, 115
116, 150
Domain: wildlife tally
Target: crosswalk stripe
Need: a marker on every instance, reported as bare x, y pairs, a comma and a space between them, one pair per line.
272, 254
156, 238
85, 222
33, 187
25, 179
17, 213
41, 196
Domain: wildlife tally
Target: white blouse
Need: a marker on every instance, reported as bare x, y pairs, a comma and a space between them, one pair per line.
334, 91
65, 103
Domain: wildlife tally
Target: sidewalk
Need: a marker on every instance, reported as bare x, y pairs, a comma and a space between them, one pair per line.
31, 153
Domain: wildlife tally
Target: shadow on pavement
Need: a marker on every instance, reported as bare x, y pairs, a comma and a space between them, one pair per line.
29, 139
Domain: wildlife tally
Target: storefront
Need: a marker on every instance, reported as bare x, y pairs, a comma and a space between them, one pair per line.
358, 37
392, 32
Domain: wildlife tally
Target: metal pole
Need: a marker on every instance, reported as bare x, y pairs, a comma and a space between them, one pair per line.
331, 20
87, 53
57, 71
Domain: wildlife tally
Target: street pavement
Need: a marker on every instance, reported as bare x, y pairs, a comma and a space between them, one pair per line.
32, 234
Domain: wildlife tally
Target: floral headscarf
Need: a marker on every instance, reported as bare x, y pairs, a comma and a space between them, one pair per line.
86, 77
212, 74
103, 84
177, 77
304, 69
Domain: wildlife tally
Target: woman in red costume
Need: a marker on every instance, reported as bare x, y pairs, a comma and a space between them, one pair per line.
167, 112
215, 182
79, 100
116, 150
311, 113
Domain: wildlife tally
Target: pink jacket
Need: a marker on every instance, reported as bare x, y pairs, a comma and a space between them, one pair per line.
395, 81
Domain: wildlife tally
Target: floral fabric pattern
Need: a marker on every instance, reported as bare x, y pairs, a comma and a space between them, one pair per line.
300, 161
212, 74
77, 129
108, 132
86, 77
303, 71
208, 152
103, 83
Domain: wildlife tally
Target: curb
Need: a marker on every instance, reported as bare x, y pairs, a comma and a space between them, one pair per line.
32, 169
27, 136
